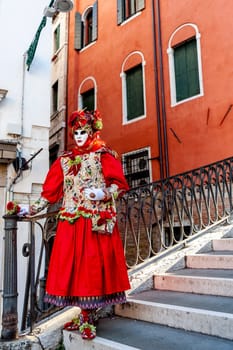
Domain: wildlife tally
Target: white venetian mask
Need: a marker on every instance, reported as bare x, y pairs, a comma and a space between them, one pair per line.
80, 137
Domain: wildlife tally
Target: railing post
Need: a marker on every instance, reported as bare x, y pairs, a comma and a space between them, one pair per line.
10, 293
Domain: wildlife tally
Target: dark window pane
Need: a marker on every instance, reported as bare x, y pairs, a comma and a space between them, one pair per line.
55, 97
88, 28
53, 154
57, 38
88, 100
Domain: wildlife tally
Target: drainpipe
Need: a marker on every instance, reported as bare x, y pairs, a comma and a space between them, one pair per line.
157, 94
22, 96
159, 90
164, 117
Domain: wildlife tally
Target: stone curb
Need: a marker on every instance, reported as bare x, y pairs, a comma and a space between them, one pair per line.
46, 336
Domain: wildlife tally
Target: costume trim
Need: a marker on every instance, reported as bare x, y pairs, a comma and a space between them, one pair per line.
106, 149
93, 302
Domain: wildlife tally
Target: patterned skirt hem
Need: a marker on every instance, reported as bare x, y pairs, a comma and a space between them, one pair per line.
93, 302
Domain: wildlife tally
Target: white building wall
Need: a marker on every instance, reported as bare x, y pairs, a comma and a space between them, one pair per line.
26, 108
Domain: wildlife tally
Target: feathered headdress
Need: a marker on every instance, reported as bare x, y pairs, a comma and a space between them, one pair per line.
86, 119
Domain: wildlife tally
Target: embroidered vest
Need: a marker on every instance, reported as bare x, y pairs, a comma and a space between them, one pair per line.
80, 172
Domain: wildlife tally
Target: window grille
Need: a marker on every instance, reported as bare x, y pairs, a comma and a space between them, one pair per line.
136, 168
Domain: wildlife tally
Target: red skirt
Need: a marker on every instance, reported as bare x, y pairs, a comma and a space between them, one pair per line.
87, 268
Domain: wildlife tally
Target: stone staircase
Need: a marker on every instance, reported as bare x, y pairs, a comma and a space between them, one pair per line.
183, 301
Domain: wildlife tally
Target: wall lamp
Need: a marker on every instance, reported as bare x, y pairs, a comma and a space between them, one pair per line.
58, 6
3, 94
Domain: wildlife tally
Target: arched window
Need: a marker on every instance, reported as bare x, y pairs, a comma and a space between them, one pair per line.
86, 27
184, 53
87, 94
133, 87
128, 8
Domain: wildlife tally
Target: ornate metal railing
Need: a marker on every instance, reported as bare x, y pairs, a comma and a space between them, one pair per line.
37, 251
151, 219
157, 216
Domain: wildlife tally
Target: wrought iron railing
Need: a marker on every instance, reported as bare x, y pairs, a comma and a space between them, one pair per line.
151, 219
37, 251
157, 216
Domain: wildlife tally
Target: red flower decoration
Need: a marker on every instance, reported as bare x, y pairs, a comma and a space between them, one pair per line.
105, 215
12, 208
79, 119
101, 222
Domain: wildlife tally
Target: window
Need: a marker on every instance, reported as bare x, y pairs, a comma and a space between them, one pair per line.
134, 93
87, 94
57, 38
136, 167
128, 8
88, 100
55, 97
186, 70
53, 153
133, 87
86, 27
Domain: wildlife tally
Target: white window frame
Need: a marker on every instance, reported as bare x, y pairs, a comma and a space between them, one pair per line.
171, 62
124, 90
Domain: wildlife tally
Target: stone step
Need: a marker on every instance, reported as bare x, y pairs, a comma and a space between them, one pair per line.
74, 341
192, 312
216, 260
222, 244
128, 334
199, 281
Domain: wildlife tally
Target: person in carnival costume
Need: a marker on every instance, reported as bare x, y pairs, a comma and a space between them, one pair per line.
87, 266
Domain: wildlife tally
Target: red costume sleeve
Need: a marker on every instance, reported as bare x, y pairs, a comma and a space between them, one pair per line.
53, 186
113, 173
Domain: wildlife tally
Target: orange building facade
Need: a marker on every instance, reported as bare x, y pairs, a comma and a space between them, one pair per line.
161, 74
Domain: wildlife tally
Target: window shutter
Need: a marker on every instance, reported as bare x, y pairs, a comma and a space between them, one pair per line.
192, 68
78, 31
186, 70
140, 5
95, 21
181, 73
134, 90
119, 11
